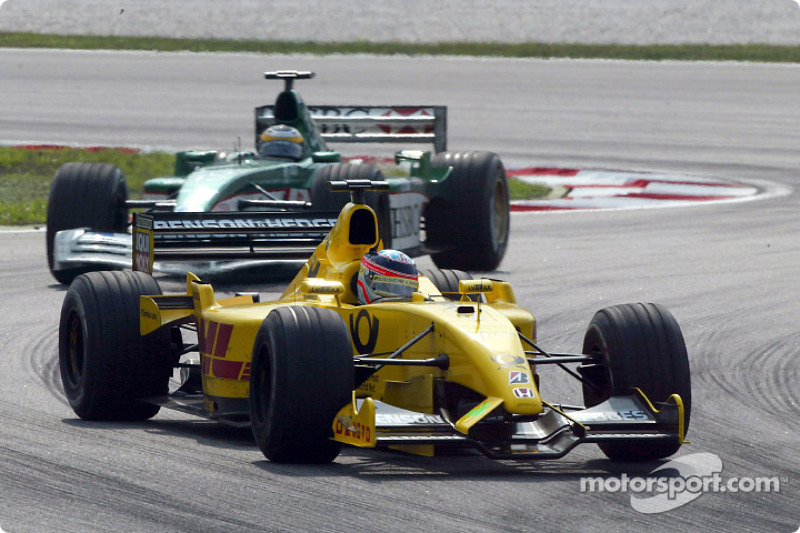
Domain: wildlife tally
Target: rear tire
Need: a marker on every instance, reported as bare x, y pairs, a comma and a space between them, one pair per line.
90, 195
470, 224
641, 345
447, 281
323, 199
106, 365
302, 374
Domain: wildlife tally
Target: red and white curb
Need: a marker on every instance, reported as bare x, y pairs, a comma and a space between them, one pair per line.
575, 189
607, 189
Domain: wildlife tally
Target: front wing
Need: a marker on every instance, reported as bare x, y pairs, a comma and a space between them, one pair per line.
91, 250
368, 423
210, 242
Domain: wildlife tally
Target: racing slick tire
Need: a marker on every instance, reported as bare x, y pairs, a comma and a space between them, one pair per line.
447, 282
640, 345
85, 195
323, 199
302, 374
468, 227
106, 365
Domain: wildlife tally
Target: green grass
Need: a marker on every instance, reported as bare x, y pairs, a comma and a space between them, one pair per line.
26, 173
519, 190
680, 52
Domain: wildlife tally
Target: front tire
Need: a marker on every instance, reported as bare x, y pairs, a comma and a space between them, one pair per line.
470, 226
106, 365
640, 345
302, 374
90, 195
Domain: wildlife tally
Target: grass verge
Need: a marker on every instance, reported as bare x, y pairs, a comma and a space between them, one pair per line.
679, 52
519, 190
26, 173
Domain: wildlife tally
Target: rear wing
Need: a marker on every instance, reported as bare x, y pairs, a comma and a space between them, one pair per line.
248, 235
372, 124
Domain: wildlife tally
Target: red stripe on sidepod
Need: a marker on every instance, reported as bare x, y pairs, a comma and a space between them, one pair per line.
226, 369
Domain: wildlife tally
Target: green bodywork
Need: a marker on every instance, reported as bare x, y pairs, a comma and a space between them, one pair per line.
203, 179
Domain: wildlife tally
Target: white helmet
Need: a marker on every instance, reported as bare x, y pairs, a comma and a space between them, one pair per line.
386, 274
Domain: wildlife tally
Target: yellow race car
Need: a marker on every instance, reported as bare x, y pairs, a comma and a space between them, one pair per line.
452, 363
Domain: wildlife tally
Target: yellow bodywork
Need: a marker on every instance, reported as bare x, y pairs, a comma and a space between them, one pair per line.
481, 340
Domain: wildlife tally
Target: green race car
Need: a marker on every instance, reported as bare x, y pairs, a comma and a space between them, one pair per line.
452, 205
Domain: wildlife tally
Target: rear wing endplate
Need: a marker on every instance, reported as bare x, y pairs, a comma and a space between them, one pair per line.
248, 235
372, 124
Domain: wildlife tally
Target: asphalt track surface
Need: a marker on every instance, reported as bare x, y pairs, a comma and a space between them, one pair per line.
728, 272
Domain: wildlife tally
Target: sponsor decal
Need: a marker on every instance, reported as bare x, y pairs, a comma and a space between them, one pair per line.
220, 368
515, 377
245, 223
405, 419
207, 335
507, 360
613, 416
364, 323
370, 387
142, 242
339, 112
375, 111
406, 209
142, 246
245, 376
524, 392
478, 287
406, 112
214, 339
354, 431
325, 289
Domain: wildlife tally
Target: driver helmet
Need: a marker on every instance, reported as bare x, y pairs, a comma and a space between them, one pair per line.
281, 141
386, 274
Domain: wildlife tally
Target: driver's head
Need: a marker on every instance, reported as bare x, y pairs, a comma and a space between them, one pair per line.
386, 274
281, 141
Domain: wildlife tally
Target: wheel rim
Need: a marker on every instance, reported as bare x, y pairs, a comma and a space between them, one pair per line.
75, 352
598, 375
500, 214
261, 383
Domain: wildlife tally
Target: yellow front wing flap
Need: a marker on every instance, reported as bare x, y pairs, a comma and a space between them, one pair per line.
356, 426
